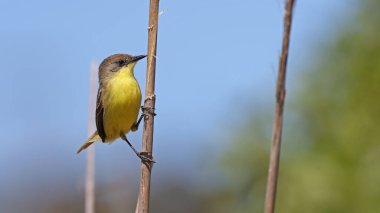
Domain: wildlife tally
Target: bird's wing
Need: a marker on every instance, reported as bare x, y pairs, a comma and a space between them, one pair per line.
99, 116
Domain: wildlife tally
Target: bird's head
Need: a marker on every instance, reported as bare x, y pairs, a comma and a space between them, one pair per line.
114, 63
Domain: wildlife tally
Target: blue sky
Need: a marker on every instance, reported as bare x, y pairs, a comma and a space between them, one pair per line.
215, 60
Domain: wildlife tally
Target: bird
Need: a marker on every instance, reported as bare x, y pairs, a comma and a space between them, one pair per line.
118, 101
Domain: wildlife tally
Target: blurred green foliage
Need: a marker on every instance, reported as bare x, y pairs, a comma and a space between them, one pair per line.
331, 146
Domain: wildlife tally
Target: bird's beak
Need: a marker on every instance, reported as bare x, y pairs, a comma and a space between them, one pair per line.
136, 58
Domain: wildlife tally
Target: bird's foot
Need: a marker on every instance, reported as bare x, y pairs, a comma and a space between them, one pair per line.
146, 157
147, 111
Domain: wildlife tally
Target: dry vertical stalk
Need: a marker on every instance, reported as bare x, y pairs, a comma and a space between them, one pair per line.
90, 173
149, 103
270, 197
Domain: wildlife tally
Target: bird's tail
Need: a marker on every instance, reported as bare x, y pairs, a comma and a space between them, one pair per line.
93, 138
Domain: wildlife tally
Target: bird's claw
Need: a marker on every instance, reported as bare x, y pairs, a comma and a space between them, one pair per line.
146, 157
146, 111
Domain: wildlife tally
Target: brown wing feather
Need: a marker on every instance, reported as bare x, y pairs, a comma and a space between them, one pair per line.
99, 116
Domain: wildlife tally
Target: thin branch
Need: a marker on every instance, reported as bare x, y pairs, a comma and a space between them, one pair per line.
148, 109
90, 173
270, 197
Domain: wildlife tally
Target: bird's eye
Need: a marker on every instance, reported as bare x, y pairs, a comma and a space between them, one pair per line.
120, 62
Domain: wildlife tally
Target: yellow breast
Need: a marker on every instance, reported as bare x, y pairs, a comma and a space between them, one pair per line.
121, 101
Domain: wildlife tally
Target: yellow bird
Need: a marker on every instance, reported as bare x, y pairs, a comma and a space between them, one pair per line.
118, 101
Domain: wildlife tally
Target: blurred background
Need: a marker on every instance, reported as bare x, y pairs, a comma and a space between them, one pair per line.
216, 71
